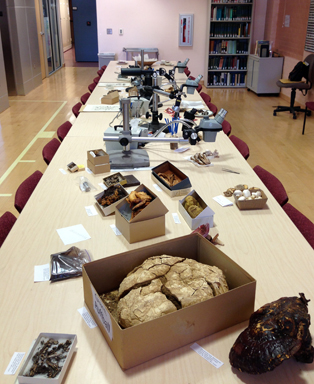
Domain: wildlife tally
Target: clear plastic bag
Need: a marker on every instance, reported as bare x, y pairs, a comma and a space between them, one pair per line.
84, 184
64, 265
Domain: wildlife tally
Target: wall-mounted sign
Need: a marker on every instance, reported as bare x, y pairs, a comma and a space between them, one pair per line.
186, 30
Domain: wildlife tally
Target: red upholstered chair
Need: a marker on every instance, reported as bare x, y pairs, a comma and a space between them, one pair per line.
206, 98
241, 146
187, 71
50, 150
100, 72
96, 80
104, 67
199, 88
63, 130
76, 109
91, 87
308, 105
24, 191
213, 108
7, 220
304, 225
226, 127
85, 97
274, 185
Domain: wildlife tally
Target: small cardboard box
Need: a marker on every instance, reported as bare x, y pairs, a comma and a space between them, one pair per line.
110, 208
137, 344
101, 157
100, 168
110, 98
42, 378
147, 224
113, 179
206, 216
180, 189
251, 204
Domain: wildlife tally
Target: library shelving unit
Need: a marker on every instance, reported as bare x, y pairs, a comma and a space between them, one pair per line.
229, 42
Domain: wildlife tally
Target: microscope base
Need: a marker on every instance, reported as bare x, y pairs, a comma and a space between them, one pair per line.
154, 127
136, 158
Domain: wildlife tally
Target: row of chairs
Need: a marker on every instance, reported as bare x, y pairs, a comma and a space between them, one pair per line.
27, 187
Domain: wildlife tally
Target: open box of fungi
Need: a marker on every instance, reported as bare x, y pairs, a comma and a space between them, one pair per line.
138, 343
109, 198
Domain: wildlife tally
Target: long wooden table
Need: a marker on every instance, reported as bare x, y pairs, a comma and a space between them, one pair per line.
264, 242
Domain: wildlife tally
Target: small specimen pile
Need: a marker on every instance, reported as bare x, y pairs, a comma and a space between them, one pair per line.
47, 359
162, 285
192, 206
138, 201
243, 192
276, 332
170, 178
204, 157
111, 195
112, 180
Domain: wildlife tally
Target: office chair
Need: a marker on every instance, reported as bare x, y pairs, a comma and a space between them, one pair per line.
294, 85
104, 67
187, 71
50, 150
7, 220
25, 190
63, 130
304, 225
100, 72
199, 87
308, 105
91, 87
96, 80
76, 109
206, 98
274, 185
85, 97
226, 127
241, 146
212, 107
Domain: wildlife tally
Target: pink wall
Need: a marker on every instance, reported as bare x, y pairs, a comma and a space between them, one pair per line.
153, 24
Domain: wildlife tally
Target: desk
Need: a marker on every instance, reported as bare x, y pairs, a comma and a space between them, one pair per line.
265, 243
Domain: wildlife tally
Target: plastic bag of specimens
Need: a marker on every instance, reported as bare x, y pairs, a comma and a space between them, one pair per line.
64, 265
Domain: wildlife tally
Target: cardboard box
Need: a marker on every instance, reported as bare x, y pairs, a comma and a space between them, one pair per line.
147, 224
110, 208
206, 216
180, 189
251, 204
137, 344
101, 157
42, 378
96, 169
110, 98
115, 178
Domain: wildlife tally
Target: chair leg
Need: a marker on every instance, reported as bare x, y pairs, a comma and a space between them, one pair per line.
304, 120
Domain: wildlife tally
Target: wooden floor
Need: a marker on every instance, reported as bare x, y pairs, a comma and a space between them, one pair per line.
276, 143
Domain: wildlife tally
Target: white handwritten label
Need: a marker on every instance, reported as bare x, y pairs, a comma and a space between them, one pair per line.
176, 218
223, 201
63, 171
88, 171
156, 186
206, 355
91, 210
115, 230
14, 363
87, 317
41, 273
102, 313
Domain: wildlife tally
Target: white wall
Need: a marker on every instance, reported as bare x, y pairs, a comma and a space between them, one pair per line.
153, 24
65, 25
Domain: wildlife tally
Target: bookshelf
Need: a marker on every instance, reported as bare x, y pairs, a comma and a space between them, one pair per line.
229, 43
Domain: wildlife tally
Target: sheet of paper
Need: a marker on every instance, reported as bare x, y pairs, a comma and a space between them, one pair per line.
73, 234
63, 171
41, 273
91, 210
207, 356
176, 218
102, 108
14, 363
157, 187
87, 317
115, 230
223, 201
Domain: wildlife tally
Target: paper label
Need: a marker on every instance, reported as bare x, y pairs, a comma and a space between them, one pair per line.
41, 273
176, 218
181, 149
223, 201
102, 185
207, 356
88, 171
102, 108
115, 230
102, 313
91, 210
157, 187
87, 317
14, 363
63, 171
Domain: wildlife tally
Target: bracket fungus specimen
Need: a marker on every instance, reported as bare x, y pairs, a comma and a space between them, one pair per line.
276, 332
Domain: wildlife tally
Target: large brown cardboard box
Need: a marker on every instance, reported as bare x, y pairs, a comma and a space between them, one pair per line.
135, 345
147, 224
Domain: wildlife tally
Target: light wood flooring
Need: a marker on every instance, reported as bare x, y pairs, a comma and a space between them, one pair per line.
276, 143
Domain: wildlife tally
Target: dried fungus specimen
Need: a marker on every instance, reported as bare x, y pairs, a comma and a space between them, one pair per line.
138, 201
276, 332
164, 284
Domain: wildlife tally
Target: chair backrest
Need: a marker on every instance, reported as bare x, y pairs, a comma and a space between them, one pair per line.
91, 87
7, 220
310, 59
96, 80
63, 130
50, 150
24, 191
76, 109
199, 88
100, 72
104, 67
213, 108
206, 98
226, 127
241, 146
85, 97
304, 225
274, 185
187, 71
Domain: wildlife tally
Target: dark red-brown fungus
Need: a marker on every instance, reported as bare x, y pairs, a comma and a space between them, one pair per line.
276, 332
